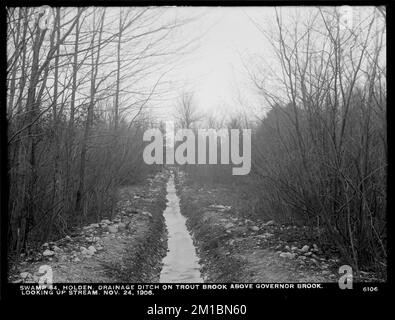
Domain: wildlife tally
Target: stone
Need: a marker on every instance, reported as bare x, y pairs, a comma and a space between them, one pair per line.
269, 223
294, 248
94, 225
92, 249
267, 235
287, 255
76, 259
220, 207
112, 229
229, 225
105, 221
254, 228
25, 275
56, 249
146, 213
121, 226
305, 248
48, 253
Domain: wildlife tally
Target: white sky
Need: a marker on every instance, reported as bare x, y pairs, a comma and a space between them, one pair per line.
214, 71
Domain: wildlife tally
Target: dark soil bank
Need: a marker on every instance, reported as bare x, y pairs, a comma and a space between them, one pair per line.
128, 248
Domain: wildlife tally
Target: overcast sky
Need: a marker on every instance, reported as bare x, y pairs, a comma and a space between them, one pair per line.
214, 71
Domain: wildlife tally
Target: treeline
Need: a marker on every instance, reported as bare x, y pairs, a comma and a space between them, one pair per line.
319, 155
79, 81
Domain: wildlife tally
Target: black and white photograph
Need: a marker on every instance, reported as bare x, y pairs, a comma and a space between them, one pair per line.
192, 147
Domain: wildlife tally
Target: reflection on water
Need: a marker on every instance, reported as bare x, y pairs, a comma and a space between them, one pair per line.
181, 263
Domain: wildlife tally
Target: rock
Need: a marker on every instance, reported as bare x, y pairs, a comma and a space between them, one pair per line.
269, 223
92, 249
305, 248
220, 207
112, 229
229, 225
254, 228
76, 259
99, 248
56, 249
287, 255
287, 248
267, 235
87, 253
121, 226
45, 245
94, 225
294, 248
315, 247
146, 213
48, 253
105, 221
307, 254
68, 238
25, 275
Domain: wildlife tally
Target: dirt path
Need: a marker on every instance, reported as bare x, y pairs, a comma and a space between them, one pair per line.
233, 248
129, 248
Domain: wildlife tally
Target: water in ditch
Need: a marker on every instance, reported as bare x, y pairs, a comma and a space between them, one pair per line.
181, 263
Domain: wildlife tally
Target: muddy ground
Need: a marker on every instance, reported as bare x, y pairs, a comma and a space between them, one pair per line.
235, 246
129, 248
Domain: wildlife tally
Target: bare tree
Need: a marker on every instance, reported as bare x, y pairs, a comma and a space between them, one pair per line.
187, 113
